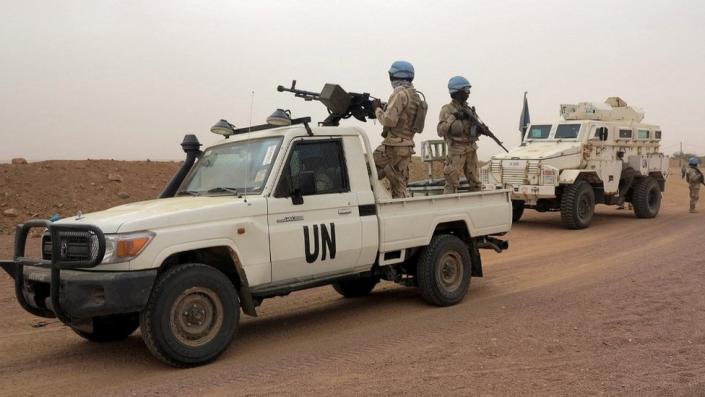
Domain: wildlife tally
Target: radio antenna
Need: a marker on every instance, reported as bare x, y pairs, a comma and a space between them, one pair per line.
249, 155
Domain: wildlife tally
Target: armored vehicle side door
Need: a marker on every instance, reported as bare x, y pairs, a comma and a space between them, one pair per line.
603, 156
314, 223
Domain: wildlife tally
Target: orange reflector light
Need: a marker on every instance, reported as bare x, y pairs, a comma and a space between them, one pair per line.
131, 247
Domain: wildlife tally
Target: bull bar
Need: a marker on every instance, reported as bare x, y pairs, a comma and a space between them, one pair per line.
61, 259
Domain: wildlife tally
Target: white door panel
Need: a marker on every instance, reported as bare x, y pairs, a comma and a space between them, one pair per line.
323, 235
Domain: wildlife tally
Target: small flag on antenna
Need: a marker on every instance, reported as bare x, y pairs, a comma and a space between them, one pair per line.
524, 119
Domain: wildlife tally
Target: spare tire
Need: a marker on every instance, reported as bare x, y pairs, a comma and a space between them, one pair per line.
517, 210
111, 328
356, 288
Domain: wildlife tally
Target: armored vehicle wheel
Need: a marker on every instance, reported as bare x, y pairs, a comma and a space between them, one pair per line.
443, 271
517, 210
111, 328
192, 315
356, 288
577, 205
646, 198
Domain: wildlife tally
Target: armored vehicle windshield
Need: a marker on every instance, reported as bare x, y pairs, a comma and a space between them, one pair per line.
567, 131
539, 131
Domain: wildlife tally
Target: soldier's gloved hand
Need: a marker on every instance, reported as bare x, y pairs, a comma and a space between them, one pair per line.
460, 115
376, 103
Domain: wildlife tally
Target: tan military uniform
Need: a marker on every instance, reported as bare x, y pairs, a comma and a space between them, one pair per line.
694, 179
393, 156
461, 138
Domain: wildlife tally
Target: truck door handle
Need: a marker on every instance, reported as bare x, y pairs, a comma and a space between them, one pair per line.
344, 211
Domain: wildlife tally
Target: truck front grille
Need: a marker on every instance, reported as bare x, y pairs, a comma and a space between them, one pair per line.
514, 177
75, 246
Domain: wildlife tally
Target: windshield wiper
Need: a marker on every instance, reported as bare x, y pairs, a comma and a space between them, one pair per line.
221, 189
187, 192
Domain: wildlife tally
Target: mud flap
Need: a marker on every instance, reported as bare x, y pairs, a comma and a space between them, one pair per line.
243, 292
475, 259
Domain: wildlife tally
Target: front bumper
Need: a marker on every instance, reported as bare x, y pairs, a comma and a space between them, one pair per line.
87, 294
61, 287
532, 192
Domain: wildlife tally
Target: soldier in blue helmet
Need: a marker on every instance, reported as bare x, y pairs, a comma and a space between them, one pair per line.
401, 119
695, 178
460, 134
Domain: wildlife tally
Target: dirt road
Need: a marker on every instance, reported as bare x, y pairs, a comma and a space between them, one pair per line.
616, 309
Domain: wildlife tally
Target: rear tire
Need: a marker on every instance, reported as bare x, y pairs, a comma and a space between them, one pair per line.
443, 271
192, 315
517, 210
577, 205
356, 288
111, 328
646, 198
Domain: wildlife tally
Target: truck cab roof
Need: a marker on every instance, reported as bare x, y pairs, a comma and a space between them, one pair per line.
290, 132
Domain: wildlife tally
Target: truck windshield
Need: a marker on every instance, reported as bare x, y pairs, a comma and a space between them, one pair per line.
567, 131
232, 168
539, 131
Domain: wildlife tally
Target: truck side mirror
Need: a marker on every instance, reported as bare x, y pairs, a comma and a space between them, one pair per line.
602, 133
306, 185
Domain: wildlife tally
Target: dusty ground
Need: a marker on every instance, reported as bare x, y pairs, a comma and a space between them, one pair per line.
617, 309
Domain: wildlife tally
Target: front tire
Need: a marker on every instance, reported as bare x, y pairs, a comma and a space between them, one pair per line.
517, 210
443, 271
192, 315
356, 288
577, 205
646, 198
110, 328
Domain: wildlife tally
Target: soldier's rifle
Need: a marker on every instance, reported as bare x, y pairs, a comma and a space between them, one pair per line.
339, 103
484, 129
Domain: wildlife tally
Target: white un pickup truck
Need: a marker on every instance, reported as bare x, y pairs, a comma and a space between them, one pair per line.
263, 213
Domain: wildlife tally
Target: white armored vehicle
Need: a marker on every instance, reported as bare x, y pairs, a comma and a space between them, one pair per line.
597, 153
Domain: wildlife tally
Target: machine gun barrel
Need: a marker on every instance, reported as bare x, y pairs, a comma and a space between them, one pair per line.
306, 95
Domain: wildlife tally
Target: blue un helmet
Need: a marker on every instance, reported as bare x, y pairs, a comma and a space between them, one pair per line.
458, 83
401, 70
693, 161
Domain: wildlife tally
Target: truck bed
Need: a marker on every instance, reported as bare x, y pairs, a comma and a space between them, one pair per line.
410, 222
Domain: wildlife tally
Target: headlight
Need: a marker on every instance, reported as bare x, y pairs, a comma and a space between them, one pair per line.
549, 175
125, 247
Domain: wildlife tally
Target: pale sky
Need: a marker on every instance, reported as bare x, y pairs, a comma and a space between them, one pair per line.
127, 79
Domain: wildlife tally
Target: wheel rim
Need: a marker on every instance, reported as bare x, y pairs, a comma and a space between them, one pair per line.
196, 316
584, 207
450, 270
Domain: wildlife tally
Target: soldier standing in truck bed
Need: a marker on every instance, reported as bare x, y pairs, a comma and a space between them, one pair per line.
694, 178
455, 126
398, 117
